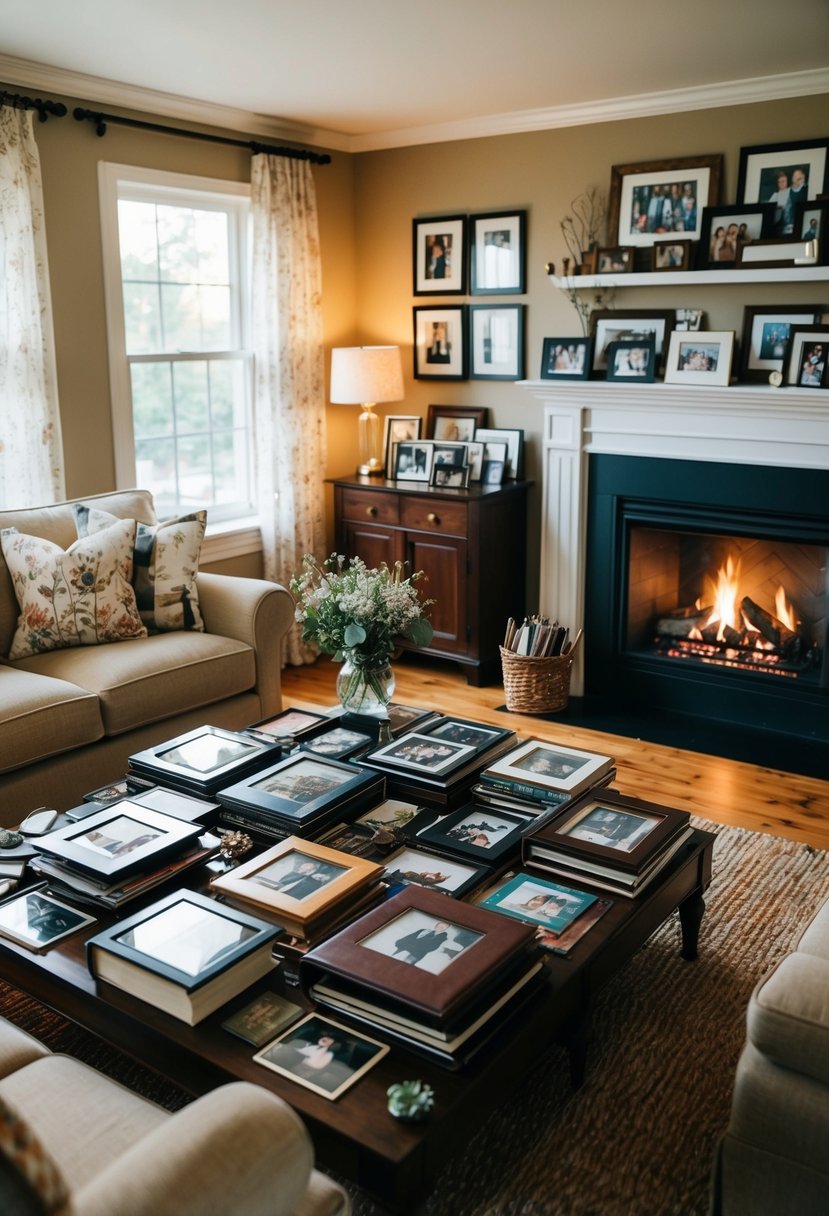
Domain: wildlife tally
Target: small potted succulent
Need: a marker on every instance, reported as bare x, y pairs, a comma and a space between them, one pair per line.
410, 1101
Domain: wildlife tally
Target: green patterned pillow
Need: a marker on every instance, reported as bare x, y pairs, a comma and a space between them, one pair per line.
78, 596
166, 562
35, 1183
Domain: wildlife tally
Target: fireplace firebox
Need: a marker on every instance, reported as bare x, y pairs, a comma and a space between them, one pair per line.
706, 594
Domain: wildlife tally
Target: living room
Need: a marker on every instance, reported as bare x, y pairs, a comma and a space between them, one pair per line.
378, 182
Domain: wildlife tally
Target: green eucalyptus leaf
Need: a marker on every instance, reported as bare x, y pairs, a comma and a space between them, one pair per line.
421, 631
354, 634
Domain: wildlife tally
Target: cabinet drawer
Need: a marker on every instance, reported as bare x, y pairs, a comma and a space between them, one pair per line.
437, 515
363, 505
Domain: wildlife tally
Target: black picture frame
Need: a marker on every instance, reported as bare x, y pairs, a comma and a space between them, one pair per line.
718, 247
119, 840
811, 222
413, 460
440, 348
513, 437
456, 884
566, 358
174, 761
620, 324
496, 341
630, 360
461, 831
765, 337
289, 723
279, 791
498, 253
439, 251
399, 428
801, 337
758, 179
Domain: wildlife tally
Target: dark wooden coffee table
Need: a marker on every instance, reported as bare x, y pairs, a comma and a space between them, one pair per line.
355, 1136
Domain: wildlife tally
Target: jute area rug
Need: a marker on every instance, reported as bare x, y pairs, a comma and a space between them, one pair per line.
638, 1138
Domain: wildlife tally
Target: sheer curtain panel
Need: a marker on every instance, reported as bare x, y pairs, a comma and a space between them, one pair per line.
289, 392
31, 456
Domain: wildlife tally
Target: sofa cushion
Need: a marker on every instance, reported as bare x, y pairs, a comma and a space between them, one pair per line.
21, 1149
153, 678
788, 1015
165, 565
815, 938
79, 596
43, 716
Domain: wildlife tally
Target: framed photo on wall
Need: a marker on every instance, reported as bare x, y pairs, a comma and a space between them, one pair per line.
664, 196
498, 253
784, 175
440, 351
497, 341
766, 332
439, 255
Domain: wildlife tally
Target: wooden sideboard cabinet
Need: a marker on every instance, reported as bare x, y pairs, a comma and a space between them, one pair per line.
470, 544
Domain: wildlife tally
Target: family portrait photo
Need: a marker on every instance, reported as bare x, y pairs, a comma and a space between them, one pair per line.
422, 941
303, 781
423, 752
322, 1055
539, 902
622, 830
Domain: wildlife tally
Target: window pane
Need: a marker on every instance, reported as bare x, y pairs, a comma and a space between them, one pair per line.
231, 467
211, 232
192, 402
178, 256
155, 470
142, 323
137, 235
152, 399
223, 389
195, 472
215, 318
195, 318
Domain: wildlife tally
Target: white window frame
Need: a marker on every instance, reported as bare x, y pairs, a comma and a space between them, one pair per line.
229, 537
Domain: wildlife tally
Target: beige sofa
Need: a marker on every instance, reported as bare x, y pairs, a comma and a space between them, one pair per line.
237, 1151
774, 1157
69, 719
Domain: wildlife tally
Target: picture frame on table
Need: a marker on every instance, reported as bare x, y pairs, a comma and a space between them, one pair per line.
617, 259
455, 423
339, 743
783, 174
727, 228
803, 343
119, 840
448, 454
672, 255
413, 866
36, 920
398, 428
538, 901
492, 472
704, 358
450, 477
289, 723
439, 255
478, 832
440, 346
496, 341
495, 453
623, 324
811, 223
300, 787
203, 760
630, 359
513, 437
498, 253
322, 1055
766, 331
781, 251
566, 358
419, 752
413, 461
613, 829
475, 459
651, 198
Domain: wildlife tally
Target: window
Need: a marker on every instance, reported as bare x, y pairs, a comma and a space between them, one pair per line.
176, 252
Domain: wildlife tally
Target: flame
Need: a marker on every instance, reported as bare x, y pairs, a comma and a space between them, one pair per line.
783, 610
724, 593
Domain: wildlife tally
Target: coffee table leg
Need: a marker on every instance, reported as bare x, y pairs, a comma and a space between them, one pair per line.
576, 1039
691, 912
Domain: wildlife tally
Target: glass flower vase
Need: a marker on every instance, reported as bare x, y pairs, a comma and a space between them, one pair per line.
365, 690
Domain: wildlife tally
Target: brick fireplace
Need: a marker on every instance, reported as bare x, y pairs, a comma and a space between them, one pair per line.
653, 494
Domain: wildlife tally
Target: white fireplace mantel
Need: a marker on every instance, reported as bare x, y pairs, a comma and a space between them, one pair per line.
740, 424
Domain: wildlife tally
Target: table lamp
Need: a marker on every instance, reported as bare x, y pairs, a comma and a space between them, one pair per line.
366, 375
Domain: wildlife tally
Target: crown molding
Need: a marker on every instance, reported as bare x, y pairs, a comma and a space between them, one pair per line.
43, 78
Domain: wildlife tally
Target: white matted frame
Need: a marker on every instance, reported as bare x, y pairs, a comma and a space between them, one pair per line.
398, 428
700, 358
439, 255
802, 341
440, 350
634, 217
498, 257
496, 341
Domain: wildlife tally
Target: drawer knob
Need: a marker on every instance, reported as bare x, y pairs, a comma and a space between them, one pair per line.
372, 511
432, 518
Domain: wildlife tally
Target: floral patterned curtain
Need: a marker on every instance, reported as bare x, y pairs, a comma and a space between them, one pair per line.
289, 393
31, 454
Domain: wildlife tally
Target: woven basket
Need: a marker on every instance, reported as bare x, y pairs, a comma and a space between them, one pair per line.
536, 685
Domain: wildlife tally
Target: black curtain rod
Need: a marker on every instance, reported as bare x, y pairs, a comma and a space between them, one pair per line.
44, 108
100, 120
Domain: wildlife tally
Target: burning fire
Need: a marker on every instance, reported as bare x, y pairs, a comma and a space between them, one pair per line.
726, 612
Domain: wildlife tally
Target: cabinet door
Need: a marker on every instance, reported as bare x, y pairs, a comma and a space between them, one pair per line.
443, 562
372, 542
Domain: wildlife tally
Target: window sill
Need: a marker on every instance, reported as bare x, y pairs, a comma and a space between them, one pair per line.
231, 538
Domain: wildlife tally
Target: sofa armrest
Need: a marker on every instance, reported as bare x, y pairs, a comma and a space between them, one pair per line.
239, 1148
788, 1016
254, 611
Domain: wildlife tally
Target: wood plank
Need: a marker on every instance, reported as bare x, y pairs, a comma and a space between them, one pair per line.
725, 791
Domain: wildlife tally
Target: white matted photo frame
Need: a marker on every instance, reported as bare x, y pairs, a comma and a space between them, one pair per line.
766, 331
475, 459
440, 349
514, 456
631, 360
785, 174
498, 253
700, 358
413, 461
398, 428
322, 1055
455, 423
439, 255
622, 324
806, 356
566, 358
657, 197
496, 341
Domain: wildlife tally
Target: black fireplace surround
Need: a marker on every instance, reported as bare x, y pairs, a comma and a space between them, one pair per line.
781, 720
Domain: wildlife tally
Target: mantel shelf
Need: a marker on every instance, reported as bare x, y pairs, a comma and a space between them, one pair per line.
689, 278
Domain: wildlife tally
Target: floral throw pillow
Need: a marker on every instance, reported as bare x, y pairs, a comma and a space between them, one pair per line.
72, 597
165, 565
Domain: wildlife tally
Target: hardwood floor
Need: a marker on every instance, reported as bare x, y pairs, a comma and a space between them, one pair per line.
725, 791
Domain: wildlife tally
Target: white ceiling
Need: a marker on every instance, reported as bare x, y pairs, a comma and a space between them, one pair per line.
358, 74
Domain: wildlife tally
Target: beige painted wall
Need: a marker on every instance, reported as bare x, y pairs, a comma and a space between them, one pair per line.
542, 172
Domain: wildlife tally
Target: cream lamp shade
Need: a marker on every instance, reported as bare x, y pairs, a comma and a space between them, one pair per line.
366, 375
